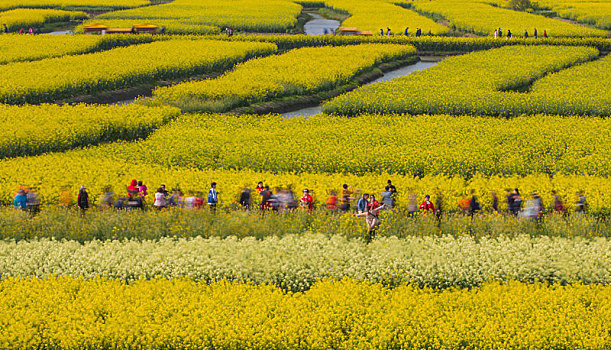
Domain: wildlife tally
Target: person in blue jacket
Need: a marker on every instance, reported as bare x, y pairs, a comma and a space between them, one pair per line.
20, 201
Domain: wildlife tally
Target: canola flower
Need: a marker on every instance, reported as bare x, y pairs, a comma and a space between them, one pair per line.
375, 15
25, 18
246, 15
57, 223
63, 77
15, 48
416, 145
299, 71
97, 169
483, 83
297, 262
482, 18
28, 130
68, 4
69, 313
597, 13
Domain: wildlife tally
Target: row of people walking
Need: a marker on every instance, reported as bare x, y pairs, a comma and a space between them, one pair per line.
498, 33
284, 199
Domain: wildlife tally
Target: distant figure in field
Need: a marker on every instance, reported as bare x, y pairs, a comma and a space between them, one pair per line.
381, 32
363, 204
581, 207
259, 187
245, 198
500, 32
20, 200
213, 199
474, 206
509, 35
387, 198
526, 34
545, 34
346, 197
6, 31
388, 32
332, 200
306, 201
535, 34
371, 220
82, 201
557, 204
427, 205
412, 206
516, 204
405, 32
418, 32
143, 189
495, 202
160, 199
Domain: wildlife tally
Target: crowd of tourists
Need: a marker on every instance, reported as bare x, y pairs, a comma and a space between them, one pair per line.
137, 196
262, 198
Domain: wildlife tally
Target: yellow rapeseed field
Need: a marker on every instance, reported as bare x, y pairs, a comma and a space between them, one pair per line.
479, 17
9, 4
68, 313
247, 15
62, 77
495, 82
27, 18
300, 71
27, 130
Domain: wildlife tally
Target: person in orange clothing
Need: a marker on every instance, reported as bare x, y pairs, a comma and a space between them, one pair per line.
427, 205
332, 200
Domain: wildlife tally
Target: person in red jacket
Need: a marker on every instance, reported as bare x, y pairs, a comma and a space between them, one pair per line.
427, 205
307, 202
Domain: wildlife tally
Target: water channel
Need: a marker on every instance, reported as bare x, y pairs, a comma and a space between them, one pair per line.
319, 24
393, 74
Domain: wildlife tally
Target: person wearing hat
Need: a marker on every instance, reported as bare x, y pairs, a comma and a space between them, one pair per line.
20, 201
306, 200
82, 200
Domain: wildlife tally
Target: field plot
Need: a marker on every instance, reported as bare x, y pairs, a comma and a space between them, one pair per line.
68, 4
298, 72
498, 236
209, 142
27, 18
16, 48
380, 15
101, 227
246, 15
596, 13
28, 130
63, 77
484, 84
332, 315
481, 18
297, 262
94, 167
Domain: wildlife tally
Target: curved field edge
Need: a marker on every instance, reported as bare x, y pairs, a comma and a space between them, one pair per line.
30, 130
